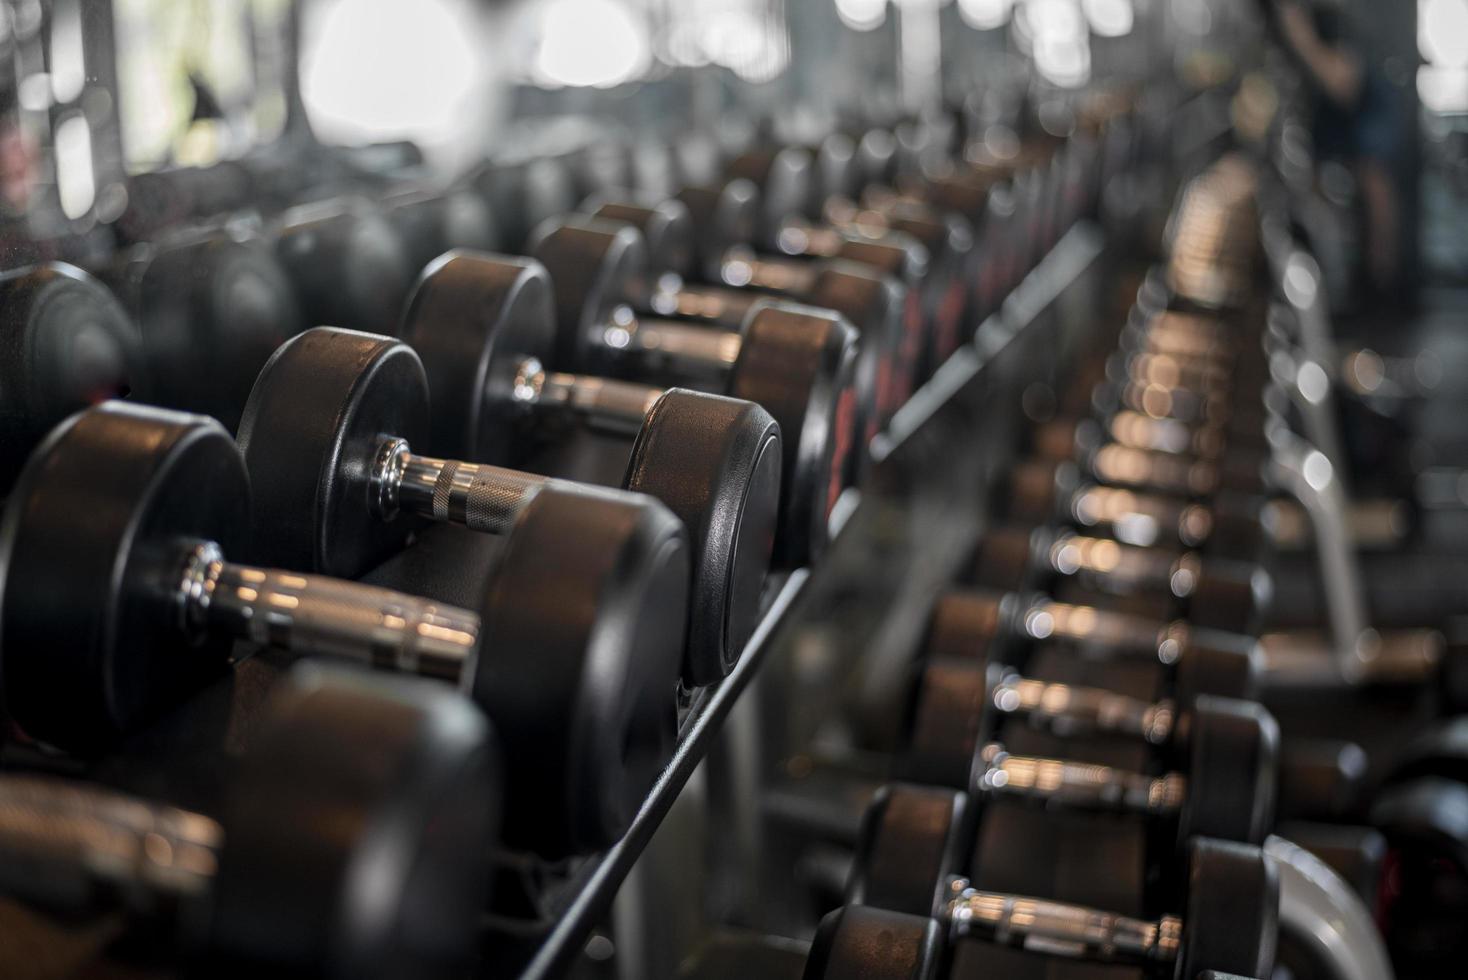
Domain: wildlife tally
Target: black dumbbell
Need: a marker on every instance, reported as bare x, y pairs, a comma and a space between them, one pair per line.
702, 236
1216, 593
117, 600
65, 343
797, 362
844, 216
212, 308
975, 625
431, 222
949, 240
347, 264
1225, 751
523, 190
330, 438
1042, 491
1229, 921
354, 841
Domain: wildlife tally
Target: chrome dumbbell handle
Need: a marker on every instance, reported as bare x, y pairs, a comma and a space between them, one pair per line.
1116, 633
741, 267
70, 848
1078, 785
689, 345
1070, 710
1060, 929
620, 406
481, 497
1125, 565
1140, 519
323, 616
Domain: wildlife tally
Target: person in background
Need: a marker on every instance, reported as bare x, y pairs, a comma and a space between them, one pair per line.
1356, 121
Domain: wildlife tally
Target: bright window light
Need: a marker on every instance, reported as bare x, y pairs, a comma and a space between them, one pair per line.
68, 60
76, 179
746, 44
1442, 32
1443, 89
985, 15
370, 73
1109, 18
590, 43
862, 15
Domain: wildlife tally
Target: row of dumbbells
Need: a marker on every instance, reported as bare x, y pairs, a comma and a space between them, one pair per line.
1084, 782
575, 618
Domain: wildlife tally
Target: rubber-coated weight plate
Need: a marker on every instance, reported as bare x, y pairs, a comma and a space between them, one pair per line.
315, 421
715, 462
475, 321
91, 554
798, 364
581, 650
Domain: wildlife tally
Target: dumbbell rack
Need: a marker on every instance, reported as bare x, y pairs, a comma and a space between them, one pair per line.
896, 544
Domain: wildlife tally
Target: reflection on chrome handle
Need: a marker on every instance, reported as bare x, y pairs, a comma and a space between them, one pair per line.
324, 616
74, 848
1060, 929
484, 498
1078, 785
1068, 710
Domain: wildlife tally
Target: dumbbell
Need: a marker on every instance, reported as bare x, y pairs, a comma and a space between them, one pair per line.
1229, 924
348, 265
65, 343
796, 362
923, 249
1217, 593
949, 240
330, 434
975, 625
701, 237
353, 842
431, 222
1225, 752
212, 308
117, 601
1042, 491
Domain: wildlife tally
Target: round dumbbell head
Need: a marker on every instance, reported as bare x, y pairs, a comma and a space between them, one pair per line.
1217, 662
1005, 557
859, 942
785, 178
876, 306
949, 717
583, 629
912, 839
1039, 490
799, 364
896, 254
212, 310
357, 833
715, 462
595, 267
1233, 770
312, 428
1229, 595
876, 156
723, 216
837, 171
348, 266
666, 226
431, 223
965, 624
1231, 917
65, 343
476, 321
90, 558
